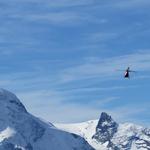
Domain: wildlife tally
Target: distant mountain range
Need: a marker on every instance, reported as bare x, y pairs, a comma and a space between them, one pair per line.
106, 134
19, 130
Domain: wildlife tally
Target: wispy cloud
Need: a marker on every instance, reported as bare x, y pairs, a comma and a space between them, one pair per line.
93, 88
99, 37
50, 106
90, 68
56, 18
105, 68
132, 3
56, 12
129, 113
68, 3
59, 18
56, 3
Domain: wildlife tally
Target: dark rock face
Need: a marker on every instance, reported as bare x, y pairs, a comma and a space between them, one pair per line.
105, 129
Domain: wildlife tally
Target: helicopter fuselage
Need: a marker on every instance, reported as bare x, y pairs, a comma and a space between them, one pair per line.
126, 74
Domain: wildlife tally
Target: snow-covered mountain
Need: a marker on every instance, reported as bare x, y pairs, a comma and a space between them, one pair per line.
106, 134
19, 130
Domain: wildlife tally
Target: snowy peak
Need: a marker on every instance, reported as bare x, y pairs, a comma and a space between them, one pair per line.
105, 117
19, 130
10, 103
6, 95
105, 121
105, 129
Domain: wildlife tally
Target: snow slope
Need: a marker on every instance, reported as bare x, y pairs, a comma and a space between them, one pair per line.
85, 130
106, 134
19, 130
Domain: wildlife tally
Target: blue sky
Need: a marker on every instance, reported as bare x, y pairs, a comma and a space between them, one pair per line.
60, 58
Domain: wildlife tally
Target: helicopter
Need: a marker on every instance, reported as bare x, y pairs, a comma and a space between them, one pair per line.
127, 72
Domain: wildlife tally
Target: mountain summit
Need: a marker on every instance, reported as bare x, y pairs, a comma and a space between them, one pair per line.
19, 130
106, 128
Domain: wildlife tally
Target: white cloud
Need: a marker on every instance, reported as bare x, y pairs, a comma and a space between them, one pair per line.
55, 3
55, 12
102, 36
57, 18
52, 103
132, 3
69, 3
107, 68
50, 106
93, 89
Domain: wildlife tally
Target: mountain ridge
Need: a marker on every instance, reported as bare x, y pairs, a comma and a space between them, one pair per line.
106, 134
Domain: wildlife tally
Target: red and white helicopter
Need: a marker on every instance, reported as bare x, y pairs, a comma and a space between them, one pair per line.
127, 72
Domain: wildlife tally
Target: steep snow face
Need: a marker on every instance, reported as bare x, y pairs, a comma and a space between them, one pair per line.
85, 130
19, 130
106, 134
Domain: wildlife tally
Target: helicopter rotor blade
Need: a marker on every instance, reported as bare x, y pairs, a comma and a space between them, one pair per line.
132, 71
